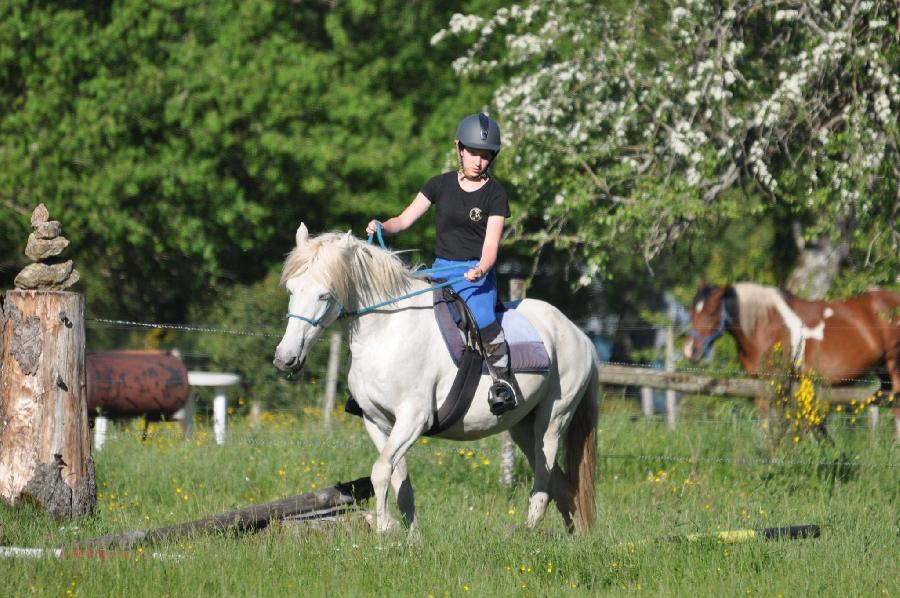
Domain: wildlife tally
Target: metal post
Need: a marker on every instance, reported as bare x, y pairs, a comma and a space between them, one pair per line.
671, 398
873, 418
100, 427
255, 414
220, 415
186, 414
646, 401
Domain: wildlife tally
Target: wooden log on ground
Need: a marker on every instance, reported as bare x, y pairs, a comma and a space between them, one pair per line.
250, 518
45, 446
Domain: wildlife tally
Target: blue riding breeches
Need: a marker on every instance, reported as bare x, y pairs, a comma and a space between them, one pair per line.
480, 295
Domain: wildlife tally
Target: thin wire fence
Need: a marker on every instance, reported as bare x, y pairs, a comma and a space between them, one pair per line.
620, 429
731, 414
273, 333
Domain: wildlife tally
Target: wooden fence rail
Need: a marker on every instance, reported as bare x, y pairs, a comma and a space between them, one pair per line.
692, 383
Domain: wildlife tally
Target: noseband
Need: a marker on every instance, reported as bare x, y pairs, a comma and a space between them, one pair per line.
318, 321
724, 321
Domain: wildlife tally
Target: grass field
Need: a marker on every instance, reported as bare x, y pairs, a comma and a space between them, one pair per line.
716, 471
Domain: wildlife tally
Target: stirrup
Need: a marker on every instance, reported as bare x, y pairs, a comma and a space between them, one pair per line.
501, 397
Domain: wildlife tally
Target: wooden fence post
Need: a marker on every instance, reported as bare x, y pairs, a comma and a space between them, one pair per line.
45, 447
331, 376
508, 447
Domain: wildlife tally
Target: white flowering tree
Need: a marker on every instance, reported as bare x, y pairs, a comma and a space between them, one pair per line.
632, 129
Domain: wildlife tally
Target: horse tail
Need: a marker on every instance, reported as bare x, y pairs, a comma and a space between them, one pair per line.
581, 455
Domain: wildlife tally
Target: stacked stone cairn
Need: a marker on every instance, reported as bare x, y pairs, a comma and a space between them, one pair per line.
49, 271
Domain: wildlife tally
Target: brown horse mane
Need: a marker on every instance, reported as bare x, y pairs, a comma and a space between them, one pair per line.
755, 301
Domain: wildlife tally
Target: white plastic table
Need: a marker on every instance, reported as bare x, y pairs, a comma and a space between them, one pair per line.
220, 381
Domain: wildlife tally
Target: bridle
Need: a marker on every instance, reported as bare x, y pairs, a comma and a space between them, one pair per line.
725, 320
329, 305
343, 313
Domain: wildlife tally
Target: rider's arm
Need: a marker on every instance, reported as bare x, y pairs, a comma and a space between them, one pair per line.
490, 247
407, 218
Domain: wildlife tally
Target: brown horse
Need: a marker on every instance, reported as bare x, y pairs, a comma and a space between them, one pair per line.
837, 340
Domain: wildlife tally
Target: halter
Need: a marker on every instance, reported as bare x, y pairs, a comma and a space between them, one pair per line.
343, 313
724, 321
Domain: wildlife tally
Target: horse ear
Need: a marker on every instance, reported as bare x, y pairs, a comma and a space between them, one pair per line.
302, 235
701, 284
348, 239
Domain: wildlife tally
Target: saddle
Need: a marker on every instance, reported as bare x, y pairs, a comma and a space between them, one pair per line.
526, 353
526, 349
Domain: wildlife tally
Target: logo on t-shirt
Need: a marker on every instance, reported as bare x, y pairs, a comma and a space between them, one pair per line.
475, 214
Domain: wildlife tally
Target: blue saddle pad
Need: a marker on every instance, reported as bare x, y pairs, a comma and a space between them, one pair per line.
526, 349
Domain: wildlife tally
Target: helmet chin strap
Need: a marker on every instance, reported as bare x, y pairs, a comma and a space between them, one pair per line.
462, 170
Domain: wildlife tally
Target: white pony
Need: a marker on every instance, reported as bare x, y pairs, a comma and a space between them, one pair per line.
401, 372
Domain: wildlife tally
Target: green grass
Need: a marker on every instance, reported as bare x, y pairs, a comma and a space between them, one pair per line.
714, 472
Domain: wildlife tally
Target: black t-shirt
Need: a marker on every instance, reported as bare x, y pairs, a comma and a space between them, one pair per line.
462, 216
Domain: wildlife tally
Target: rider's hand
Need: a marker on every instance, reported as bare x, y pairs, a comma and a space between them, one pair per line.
372, 227
473, 274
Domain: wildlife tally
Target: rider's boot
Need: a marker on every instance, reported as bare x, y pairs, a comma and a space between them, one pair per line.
505, 393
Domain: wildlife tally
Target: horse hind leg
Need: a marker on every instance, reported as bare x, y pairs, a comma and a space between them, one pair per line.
559, 487
890, 375
891, 387
403, 489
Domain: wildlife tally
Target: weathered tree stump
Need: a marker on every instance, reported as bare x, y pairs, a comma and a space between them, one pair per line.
44, 441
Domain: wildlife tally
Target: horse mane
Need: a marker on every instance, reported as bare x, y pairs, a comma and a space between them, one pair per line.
754, 301
353, 271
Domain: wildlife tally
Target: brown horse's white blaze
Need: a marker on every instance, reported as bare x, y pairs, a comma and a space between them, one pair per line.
837, 340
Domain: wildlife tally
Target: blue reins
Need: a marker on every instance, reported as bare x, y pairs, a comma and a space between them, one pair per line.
343, 313
380, 237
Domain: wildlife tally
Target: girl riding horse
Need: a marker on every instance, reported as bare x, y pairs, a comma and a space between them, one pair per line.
471, 207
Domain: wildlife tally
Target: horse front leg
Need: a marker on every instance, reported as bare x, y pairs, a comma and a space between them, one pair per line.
391, 467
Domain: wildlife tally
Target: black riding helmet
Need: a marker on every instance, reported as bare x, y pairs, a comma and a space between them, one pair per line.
479, 131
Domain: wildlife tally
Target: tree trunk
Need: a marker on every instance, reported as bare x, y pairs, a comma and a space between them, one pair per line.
817, 266
44, 441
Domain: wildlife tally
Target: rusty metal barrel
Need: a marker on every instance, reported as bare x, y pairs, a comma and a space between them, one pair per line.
135, 382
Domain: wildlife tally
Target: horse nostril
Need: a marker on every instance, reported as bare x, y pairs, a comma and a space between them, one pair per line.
284, 365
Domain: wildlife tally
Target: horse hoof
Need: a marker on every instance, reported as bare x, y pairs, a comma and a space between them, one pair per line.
387, 526
414, 538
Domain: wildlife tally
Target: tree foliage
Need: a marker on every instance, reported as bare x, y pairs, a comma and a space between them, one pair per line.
180, 143
637, 128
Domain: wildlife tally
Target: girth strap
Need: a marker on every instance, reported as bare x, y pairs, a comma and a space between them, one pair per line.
461, 393
459, 399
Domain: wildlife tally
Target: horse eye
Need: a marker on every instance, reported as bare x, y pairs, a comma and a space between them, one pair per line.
324, 296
